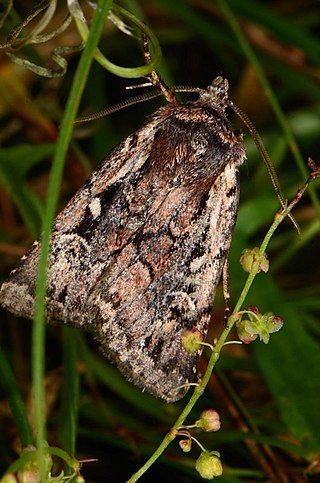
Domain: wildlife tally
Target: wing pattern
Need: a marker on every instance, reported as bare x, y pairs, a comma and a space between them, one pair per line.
137, 253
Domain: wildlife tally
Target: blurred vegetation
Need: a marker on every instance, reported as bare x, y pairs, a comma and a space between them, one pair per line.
268, 396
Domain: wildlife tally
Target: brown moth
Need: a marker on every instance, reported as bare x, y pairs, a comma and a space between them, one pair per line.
137, 253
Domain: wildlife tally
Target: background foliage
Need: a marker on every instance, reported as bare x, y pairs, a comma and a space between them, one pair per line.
268, 396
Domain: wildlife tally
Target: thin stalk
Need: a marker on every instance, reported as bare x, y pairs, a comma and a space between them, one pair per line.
38, 334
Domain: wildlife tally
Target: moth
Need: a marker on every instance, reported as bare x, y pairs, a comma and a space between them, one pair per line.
137, 253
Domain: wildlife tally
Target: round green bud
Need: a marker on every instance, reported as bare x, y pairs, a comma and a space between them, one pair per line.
208, 465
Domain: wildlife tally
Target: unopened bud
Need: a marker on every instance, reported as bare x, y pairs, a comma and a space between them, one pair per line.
191, 340
30, 472
208, 465
185, 445
243, 335
249, 257
209, 420
275, 324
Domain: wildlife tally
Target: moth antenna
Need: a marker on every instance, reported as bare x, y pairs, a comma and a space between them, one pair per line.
138, 86
165, 90
133, 100
187, 89
121, 105
266, 159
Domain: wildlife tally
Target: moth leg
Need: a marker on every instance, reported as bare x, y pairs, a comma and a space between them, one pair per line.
154, 77
226, 289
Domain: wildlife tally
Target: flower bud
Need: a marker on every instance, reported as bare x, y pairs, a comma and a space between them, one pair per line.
261, 325
30, 472
243, 335
255, 310
249, 256
275, 323
191, 340
209, 420
208, 465
185, 445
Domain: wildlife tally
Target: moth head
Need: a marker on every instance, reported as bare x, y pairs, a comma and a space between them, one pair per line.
216, 95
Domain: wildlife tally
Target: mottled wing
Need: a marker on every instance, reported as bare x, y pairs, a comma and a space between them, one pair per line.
138, 252
163, 284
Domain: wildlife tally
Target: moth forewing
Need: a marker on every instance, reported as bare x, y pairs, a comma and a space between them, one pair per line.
137, 253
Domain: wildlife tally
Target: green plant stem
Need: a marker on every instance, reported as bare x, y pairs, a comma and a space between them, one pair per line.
246, 48
173, 433
38, 335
